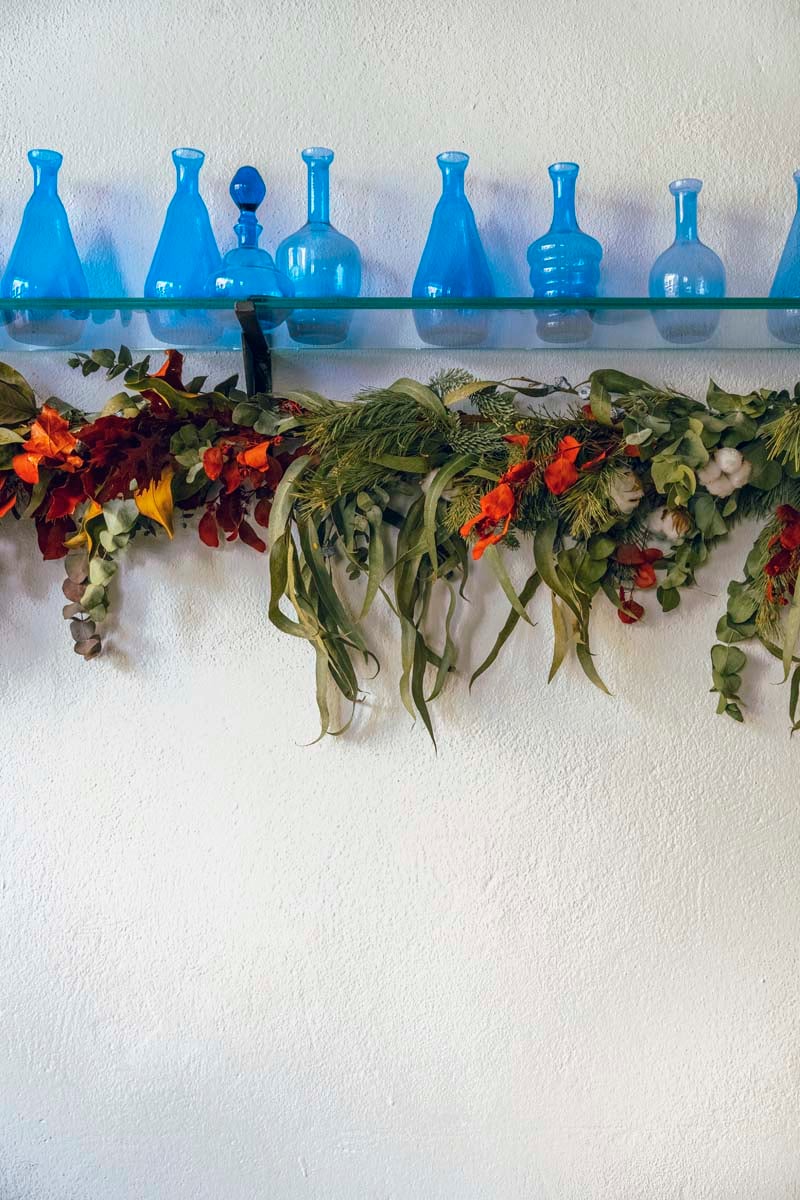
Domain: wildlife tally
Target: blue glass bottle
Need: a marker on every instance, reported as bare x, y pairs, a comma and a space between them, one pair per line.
319, 261
453, 264
784, 323
687, 268
565, 262
185, 256
44, 263
248, 269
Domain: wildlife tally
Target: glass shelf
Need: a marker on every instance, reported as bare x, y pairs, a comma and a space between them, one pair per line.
395, 323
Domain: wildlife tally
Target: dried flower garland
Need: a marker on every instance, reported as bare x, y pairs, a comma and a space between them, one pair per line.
623, 492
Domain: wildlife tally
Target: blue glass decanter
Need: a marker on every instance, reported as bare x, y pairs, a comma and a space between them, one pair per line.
185, 256
319, 261
248, 269
688, 268
453, 264
564, 263
44, 263
784, 323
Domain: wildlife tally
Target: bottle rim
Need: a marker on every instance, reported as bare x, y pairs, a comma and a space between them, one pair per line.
686, 185
188, 154
452, 158
563, 168
317, 154
36, 157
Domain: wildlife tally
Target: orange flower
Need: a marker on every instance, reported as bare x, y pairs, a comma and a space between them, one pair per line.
562, 473
517, 439
498, 505
213, 462
256, 457
49, 442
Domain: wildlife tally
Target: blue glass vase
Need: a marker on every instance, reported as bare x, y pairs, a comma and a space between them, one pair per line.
44, 263
185, 256
564, 263
688, 268
784, 323
248, 269
319, 261
453, 264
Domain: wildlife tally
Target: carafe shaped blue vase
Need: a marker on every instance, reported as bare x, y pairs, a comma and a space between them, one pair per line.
319, 261
784, 323
687, 269
565, 262
44, 263
185, 256
248, 269
453, 264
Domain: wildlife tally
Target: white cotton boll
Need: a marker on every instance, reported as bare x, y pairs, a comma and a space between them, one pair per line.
721, 487
739, 478
728, 460
709, 472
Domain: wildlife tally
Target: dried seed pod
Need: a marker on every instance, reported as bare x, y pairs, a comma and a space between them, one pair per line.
73, 590
82, 630
76, 565
88, 649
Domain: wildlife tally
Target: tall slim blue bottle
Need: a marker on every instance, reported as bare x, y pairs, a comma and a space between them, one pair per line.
687, 268
453, 264
565, 262
44, 262
784, 323
320, 261
185, 256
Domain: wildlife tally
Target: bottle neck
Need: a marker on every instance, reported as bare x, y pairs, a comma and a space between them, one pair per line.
564, 219
45, 179
188, 178
452, 181
247, 230
686, 216
318, 193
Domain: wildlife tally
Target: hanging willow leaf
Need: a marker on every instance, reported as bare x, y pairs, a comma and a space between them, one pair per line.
447, 661
587, 662
440, 481
791, 633
512, 620
492, 556
560, 637
547, 564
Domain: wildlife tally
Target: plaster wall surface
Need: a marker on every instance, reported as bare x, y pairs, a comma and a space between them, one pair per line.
559, 959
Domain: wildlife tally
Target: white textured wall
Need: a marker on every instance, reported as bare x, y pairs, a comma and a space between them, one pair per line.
559, 960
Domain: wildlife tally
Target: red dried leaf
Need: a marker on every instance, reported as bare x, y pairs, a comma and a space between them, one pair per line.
51, 536
208, 531
251, 538
65, 499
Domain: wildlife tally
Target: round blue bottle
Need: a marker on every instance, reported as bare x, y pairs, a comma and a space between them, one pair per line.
688, 268
320, 261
